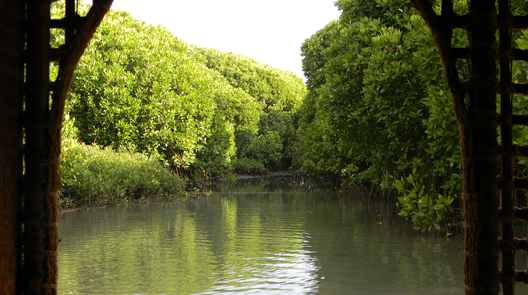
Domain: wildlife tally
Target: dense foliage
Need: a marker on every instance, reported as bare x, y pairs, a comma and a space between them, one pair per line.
200, 111
279, 94
378, 109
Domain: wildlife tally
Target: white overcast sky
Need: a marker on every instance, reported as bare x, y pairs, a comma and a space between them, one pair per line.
269, 31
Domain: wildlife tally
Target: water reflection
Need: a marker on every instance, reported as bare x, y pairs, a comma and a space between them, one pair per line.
258, 242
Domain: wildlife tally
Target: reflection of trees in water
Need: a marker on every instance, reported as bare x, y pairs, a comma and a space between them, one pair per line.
237, 239
383, 252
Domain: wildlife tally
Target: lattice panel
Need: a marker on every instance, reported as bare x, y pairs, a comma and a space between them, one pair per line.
490, 210
507, 150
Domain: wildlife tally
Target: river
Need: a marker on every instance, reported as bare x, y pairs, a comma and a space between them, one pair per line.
256, 239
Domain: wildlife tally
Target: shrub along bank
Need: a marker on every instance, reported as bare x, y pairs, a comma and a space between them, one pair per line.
93, 176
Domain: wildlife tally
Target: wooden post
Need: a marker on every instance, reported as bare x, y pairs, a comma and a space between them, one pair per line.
479, 154
41, 208
11, 45
43, 113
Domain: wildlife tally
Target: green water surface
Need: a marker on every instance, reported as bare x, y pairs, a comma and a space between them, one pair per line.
256, 240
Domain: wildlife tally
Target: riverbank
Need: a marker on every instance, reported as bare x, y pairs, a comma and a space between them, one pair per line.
133, 191
295, 178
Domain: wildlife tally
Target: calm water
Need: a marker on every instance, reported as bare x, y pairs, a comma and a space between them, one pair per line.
269, 241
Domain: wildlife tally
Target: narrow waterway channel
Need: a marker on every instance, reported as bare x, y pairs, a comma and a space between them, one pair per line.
255, 240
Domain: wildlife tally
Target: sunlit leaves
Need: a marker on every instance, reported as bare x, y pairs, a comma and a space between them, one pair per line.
138, 86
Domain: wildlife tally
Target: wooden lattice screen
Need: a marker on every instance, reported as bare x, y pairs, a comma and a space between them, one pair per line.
43, 115
489, 211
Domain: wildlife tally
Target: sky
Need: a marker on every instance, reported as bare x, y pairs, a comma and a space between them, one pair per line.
269, 31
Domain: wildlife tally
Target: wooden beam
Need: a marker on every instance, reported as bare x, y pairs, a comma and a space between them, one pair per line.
11, 45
